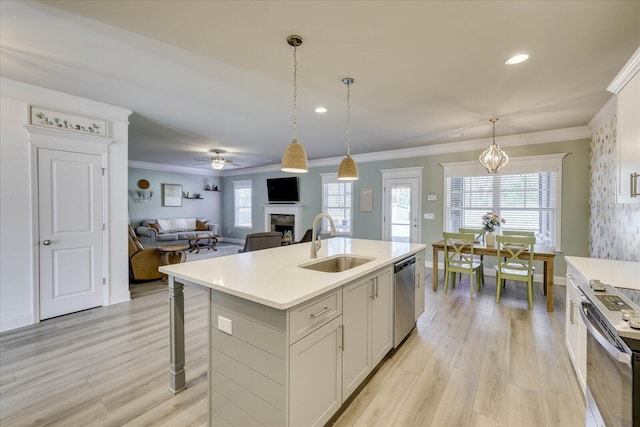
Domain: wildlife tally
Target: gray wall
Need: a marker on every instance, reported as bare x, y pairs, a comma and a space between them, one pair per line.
207, 208
368, 225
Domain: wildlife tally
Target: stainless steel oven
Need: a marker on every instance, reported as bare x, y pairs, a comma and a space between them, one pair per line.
613, 360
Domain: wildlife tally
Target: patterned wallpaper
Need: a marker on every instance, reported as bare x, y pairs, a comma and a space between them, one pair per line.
614, 231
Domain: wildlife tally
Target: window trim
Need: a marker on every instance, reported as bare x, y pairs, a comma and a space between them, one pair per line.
516, 165
332, 178
246, 183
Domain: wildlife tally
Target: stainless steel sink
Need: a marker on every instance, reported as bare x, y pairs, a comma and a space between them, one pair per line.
337, 263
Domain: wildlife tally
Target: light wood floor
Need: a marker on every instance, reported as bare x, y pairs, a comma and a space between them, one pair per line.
468, 363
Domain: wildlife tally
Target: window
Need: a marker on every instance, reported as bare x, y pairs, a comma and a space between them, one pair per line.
242, 203
526, 195
337, 201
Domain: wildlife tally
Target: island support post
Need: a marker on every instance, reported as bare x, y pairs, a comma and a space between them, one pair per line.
177, 376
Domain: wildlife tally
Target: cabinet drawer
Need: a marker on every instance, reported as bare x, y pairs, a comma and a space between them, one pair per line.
309, 316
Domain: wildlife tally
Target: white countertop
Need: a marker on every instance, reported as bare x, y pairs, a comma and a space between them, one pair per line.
272, 277
621, 274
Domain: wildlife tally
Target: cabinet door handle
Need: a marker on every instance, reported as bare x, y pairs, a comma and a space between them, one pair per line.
320, 313
341, 339
376, 279
634, 184
572, 309
416, 276
373, 289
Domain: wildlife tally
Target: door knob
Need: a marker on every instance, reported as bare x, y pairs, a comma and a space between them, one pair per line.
46, 242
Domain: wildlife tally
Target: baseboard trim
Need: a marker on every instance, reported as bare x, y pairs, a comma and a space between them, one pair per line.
16, 322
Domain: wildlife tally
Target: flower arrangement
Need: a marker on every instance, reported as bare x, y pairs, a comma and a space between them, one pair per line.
491, 221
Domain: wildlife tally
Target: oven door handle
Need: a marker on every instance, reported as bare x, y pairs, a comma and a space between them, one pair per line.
613, 351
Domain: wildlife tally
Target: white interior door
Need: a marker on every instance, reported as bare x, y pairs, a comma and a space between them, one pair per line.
401, 209
70, 203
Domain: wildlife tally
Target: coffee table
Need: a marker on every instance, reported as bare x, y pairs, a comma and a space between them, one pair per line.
172, 254
203, 242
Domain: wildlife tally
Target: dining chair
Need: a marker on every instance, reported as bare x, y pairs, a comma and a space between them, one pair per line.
457, 261
478, 236
519, 233
512, 267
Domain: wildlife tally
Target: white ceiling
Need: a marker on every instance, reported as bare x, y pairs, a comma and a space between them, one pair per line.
201, 75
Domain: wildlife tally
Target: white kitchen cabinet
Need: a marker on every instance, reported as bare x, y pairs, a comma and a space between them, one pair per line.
368, 326
420, 285
575, 329
626, 86
316, 376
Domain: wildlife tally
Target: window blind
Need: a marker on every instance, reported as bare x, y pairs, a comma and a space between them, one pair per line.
337, 202
242, 203
527, 201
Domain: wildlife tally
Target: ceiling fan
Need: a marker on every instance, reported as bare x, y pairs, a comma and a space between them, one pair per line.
217, 162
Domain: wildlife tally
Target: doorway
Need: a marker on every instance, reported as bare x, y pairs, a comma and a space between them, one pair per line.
401, 204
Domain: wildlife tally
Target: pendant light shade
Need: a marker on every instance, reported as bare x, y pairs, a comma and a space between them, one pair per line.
294, 158
348, 170
493, 158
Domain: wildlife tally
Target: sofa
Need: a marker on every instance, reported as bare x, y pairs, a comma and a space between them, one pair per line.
174, 231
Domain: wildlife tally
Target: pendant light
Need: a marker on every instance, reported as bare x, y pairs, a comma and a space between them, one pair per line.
493, 158
348, 170
294, 158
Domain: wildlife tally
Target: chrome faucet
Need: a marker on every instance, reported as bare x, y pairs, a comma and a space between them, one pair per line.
316, 243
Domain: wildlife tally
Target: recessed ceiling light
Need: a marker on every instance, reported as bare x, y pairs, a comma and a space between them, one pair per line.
320, 110
516, 59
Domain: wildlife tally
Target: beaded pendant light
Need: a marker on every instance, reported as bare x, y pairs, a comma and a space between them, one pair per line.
493, 158
348, 170
294, 158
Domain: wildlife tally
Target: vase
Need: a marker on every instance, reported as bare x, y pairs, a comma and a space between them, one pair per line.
490, 239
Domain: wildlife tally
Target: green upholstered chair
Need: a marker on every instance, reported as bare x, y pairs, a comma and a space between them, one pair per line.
458, 262
512, 267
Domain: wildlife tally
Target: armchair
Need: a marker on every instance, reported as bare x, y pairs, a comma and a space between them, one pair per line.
143, 263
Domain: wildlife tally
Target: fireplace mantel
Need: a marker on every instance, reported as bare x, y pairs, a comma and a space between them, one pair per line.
285, 209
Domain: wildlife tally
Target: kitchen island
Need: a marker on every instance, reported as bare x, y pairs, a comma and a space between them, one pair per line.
288, 345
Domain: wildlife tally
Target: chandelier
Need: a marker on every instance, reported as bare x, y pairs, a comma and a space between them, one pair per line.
493, 158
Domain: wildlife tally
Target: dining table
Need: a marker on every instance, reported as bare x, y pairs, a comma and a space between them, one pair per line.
540, 253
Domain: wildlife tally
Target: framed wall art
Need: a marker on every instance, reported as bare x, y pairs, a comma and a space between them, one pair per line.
51, 118
171, 195
366, 200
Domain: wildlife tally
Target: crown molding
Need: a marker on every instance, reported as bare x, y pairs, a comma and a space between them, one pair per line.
605, 114
542, 137
626, 73
170, 168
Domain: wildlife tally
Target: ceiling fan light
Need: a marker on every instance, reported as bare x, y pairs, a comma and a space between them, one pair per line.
348, 170
217, 163
294, 158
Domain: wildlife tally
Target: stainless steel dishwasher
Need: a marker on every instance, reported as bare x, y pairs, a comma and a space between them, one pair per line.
405, 299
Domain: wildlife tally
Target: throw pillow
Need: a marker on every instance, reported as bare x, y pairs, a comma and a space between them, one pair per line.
190, 224
156, 227
201, 225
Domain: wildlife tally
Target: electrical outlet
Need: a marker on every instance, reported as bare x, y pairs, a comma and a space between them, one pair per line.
225, 325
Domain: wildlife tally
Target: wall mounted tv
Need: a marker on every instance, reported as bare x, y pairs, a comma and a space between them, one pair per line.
283, 190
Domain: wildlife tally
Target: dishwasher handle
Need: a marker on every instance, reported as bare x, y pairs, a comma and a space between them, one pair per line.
401, 265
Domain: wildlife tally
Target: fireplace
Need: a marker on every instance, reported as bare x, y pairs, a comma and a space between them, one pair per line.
283, 223
284, 218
